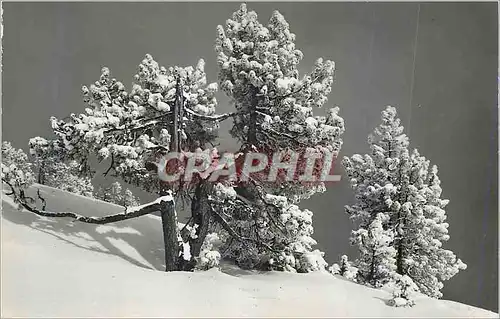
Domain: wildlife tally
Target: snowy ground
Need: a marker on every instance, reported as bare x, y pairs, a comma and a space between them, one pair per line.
54, 268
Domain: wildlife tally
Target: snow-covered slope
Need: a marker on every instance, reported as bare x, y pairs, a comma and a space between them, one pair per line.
56, 268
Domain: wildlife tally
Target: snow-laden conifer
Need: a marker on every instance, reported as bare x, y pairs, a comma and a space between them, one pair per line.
399, 212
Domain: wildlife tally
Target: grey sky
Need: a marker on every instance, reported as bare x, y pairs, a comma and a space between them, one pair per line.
51, 49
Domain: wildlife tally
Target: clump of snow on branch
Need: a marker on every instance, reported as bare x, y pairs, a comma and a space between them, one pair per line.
209, 255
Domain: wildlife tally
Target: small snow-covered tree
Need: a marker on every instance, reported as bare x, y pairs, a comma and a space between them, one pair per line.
258, 71
116, 195
16, 169
376, 262
403, 291
43, 153
111, 194
129, 199
66, 177
344, 268
55, 170
398, 195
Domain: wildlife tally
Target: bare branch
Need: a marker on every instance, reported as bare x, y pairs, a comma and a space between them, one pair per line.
144, 210
219, 118
44, 203
237, 236
110, 165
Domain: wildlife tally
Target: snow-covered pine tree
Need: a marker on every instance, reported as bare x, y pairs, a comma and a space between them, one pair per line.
16, 169
258, 71
55, 170
115, 194
425, 260
42, 151
395, 192
129, 199
167, 110
403, 291
344, 268
376, 262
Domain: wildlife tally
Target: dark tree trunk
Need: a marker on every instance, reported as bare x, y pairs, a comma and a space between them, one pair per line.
170, 236
371, 277
168, 213
399, 258
41, 173
252, 125
399, 253
200, 210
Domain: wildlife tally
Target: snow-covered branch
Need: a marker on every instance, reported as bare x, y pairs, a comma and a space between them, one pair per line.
129, 213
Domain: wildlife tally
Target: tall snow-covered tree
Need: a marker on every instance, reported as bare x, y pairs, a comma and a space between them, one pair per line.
424, 258
258, 71
167, 110
405, 190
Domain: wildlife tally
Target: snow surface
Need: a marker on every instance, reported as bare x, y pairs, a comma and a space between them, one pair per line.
57, 268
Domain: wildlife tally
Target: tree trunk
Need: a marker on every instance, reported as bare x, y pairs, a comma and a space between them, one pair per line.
168, 213
372, 269
252, 125
41, 173
399, 258
200, 210
170, 235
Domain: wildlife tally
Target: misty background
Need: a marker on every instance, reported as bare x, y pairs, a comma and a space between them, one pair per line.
437, 63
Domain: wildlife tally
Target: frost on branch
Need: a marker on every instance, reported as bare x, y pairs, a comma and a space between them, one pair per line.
399, 212
16, 169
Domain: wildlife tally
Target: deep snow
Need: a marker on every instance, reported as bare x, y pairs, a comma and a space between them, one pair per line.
57, 268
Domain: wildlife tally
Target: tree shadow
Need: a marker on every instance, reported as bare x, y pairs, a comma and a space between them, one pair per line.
137, 241
230, 268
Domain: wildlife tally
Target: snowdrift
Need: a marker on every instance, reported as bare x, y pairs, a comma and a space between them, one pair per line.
57, 268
